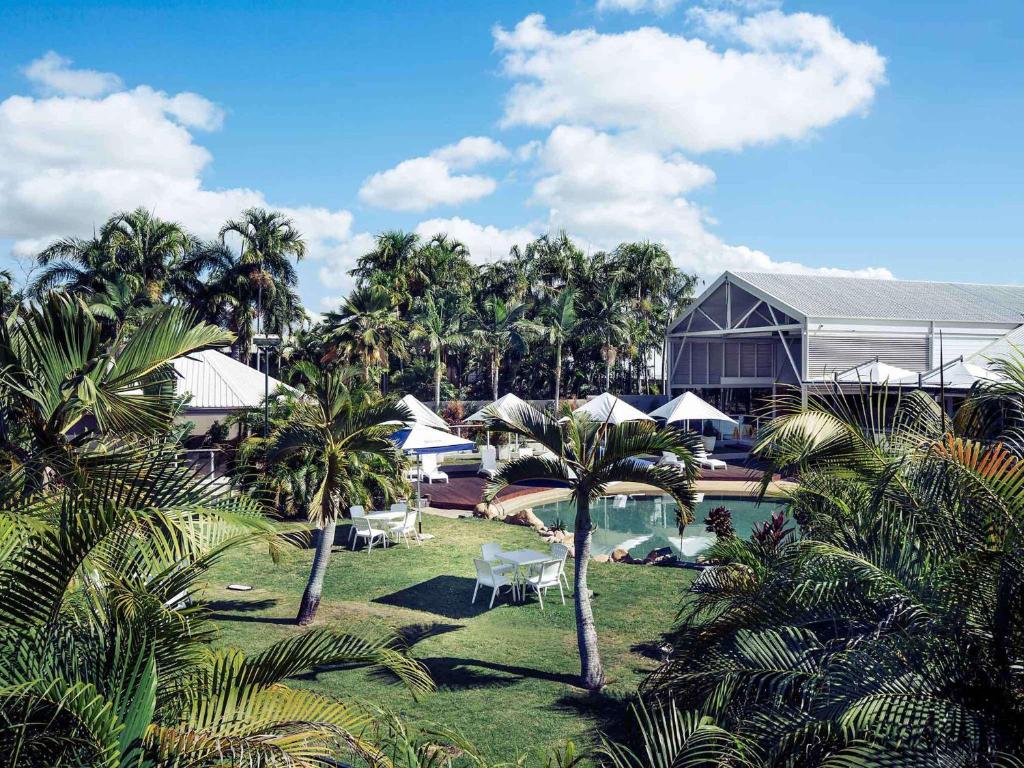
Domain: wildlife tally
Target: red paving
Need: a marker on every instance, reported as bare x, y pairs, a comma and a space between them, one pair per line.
465, 489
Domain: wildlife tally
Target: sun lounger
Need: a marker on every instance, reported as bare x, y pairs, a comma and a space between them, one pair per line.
430, 471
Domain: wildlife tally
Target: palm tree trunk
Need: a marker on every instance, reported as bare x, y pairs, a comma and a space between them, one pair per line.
608, 373
591, 671
558, 375
494, 372
315, 587
437, 379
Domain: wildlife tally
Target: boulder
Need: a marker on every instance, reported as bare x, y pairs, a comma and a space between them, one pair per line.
658, 556
601, 558
526, 518
485, 511
619, 555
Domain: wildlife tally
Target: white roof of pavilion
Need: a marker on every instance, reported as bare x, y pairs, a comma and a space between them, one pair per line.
958, 374
218, 381
689, 407
607, 407
421, 414
502, 406
877, 372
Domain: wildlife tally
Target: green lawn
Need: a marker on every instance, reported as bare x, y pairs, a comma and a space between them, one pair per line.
506, 677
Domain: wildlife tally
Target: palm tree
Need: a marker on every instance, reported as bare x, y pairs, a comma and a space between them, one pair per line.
501, 328
75, 264
342, 429
139, 244
608, 320
889, 632
63, 384
388, 265
109, 661
588, 457
559, 322
269, 241
367, 331
441, 329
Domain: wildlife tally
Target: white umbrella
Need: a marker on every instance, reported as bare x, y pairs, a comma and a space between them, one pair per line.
503, 407
958, 375
877, 372
689, 407
421, 414
607, 407
420, 439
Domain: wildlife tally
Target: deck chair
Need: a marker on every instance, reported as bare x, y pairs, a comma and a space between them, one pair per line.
364, 530
561, 552
487, 577
545, 575
488, 461
669, 459
430, 470
705, 461
354, 511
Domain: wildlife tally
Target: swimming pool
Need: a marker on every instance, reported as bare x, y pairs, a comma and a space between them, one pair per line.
648, 522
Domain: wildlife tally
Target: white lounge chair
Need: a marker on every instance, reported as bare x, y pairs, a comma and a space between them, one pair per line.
354, 511
430, 472
404, 528
561, 552
705, 461
669, 459
543, 576
364, 530
487, 576
488, 461
619, 502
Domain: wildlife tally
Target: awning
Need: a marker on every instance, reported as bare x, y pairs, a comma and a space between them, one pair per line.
689, 407
607, 407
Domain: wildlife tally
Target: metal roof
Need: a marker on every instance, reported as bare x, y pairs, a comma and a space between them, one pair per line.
1008, 346
215, 380
826, 296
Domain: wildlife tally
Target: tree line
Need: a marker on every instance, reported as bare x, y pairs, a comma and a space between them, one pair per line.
546, 321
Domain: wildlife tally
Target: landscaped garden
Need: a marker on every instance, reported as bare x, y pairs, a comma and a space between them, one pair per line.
507, 677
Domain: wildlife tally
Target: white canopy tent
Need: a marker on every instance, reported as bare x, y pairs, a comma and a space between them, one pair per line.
503, 406
877, 372
689, 407
422, 415
419, 439
607, 407
958, 374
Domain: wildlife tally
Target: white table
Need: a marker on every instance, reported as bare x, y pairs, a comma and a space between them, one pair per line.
522, 559
385, 515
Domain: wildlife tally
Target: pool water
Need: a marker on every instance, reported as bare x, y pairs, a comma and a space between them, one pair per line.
649, 522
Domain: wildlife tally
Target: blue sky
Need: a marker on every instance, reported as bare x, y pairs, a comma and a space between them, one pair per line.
743, 133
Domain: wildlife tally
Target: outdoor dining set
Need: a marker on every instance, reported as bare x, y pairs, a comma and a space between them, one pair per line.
390, 526
521, 570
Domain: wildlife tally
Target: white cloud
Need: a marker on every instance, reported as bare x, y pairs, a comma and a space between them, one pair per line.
486, 243
608, 189
425, 182
341, 258
67, 162
784, 76
53, 74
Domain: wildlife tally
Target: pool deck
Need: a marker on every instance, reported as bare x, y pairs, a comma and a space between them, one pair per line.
463, 492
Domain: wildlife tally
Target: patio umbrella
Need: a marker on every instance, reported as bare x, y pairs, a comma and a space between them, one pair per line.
418, 440
877, 372
607, 407
421, 414
958, 374
503, 407
689, 407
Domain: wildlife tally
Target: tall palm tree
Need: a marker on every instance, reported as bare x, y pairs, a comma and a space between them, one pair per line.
146, 247
587, 457
76, 264
367, 331
501, 328
559, 322
341, 427
269, 242
608, 320
441, 328
389, 264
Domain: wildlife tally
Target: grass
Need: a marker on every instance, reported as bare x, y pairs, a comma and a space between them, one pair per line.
507, 677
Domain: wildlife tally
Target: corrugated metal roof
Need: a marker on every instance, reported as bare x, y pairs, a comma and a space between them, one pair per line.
876, 299
215, 380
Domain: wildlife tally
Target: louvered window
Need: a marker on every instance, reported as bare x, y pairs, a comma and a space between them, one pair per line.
828, 354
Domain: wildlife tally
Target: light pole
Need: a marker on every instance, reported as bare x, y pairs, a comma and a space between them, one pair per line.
266, 360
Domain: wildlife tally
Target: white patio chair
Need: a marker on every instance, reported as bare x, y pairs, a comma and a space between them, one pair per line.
488, 461
486, 576
705, 461
364, 530
619, 502
400, 506
670, 459
543, 576
561, 552
404, 528
430, 470
354, 511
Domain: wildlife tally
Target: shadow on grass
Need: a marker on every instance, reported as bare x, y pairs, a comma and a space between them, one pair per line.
447, 596
609, 713
417, 633
238, 610
455, 673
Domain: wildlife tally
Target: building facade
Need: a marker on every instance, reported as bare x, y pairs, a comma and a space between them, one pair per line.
750, 333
